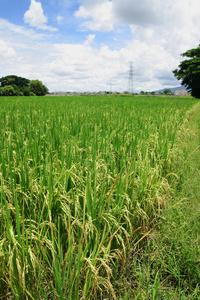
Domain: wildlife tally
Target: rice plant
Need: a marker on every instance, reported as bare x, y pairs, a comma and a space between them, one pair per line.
81, 178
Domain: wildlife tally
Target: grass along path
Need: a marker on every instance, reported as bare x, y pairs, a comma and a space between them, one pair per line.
169, 265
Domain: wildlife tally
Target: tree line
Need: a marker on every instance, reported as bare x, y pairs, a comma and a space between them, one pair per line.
13, 85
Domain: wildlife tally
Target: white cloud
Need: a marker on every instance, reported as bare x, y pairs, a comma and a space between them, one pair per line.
84, 66
22, 51
104, 15
144, 12
141, 12
8, 29
175, 22
6, 52
90, 40
35, 17
102, 18
59, 19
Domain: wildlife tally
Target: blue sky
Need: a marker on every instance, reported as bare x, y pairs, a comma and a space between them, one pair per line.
86, 45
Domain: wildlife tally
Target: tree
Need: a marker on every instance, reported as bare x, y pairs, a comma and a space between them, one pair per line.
7, 90
14, 81
189, 71
13, 85
167, 92
38, 88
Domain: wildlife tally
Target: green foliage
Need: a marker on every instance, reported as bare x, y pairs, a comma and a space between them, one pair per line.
7, 90
13, 85
38, 88
14, 80
167, 91
189, 71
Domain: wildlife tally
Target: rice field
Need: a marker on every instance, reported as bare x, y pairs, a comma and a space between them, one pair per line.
81, 179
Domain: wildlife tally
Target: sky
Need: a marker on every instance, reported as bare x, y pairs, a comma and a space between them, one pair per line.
87, 45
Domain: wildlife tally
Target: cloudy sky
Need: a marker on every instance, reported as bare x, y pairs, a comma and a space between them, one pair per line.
87, 45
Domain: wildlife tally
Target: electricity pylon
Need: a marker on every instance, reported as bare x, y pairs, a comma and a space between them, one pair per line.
130, 80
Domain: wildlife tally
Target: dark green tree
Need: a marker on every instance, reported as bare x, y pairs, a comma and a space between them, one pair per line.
14, 80
38, 88
167, 92
189, 71
7, 90
13, 85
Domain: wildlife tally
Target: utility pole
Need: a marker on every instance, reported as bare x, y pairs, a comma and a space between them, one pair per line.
131, 81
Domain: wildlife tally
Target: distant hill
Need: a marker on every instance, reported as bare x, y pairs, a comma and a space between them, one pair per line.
178, 88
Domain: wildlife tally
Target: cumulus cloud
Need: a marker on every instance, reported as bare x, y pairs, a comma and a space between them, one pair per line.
35, 17
83, 67
104, 15
91, 68
100, 15
141, 12
176, 22
6, 52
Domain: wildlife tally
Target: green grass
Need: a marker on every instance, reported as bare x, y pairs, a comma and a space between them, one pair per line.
168, 265
83, 180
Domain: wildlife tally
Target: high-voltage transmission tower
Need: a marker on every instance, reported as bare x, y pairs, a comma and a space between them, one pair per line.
130, 80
